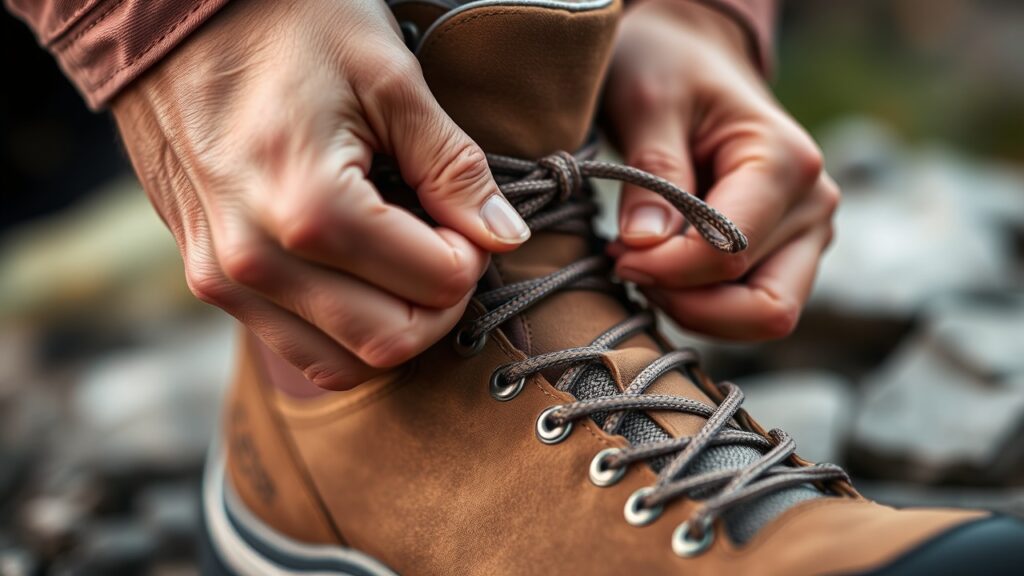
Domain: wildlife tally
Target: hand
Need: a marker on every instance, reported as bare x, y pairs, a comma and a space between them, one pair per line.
684, 100
253, 140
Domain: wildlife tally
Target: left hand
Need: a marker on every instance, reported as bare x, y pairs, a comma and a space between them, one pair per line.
684, 98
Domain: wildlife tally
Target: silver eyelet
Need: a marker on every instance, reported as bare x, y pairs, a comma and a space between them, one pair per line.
549, 434
636, 513
684, 545
466, 345
501, 389
600, 473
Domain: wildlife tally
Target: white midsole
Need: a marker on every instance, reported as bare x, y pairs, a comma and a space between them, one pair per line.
241, 558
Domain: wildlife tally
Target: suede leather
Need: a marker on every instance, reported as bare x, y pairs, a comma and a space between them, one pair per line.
467, 60
261, 462
425, 471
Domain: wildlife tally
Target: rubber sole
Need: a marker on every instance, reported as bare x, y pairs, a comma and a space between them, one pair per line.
237, 543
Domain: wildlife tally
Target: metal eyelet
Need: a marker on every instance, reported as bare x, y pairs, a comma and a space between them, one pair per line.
637, 514
549, 434
683, 543
466, 345
501, 389
600, 473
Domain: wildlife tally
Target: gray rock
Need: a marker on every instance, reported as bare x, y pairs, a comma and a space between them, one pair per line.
171, 511
110, 548
928, 223
17, 562
154, 408
949, 405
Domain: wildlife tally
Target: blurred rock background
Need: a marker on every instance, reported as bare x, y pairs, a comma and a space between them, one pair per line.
908, 366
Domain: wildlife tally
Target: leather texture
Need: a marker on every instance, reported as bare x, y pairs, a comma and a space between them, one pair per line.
425, 471
262, 463
466, 62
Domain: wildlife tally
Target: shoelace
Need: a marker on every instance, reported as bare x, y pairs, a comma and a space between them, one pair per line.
550, 195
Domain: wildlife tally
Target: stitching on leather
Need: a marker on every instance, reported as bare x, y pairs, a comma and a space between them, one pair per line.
456, 25
154, 44
292, 447
65, 43
57, 34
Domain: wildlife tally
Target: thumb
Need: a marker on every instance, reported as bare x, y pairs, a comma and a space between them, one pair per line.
657, 145
450, 173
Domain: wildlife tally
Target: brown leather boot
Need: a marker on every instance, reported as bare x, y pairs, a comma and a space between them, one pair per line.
553, 432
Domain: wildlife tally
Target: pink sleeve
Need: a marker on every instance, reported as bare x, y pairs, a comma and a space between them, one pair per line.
757, 17
102, 45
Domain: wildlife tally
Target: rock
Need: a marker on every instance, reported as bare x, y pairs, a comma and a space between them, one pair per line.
815, 408
17, 562
171, 511
949, 405
924, 224
154, 408
110, 548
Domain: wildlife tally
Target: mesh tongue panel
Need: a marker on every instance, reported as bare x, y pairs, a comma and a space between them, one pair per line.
744, 520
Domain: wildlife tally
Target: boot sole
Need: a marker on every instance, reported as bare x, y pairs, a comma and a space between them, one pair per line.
237, 543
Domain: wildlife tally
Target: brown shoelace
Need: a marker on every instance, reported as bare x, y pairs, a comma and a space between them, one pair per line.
551, 195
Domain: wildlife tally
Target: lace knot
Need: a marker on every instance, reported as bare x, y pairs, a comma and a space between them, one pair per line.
566, 172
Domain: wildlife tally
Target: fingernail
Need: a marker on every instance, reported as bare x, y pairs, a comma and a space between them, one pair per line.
503, 221
646, 220
638, 278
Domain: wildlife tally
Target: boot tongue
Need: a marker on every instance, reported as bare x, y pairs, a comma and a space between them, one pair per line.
523, 79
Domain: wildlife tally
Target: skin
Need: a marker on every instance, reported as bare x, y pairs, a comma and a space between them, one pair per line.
253, 141
254, 138
683, 98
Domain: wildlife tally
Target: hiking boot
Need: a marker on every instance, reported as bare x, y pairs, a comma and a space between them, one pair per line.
553, 431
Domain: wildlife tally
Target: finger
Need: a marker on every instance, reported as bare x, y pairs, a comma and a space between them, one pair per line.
657, 143
321, 360
446, 168
380, 329
687, 261
341, 221
766, 307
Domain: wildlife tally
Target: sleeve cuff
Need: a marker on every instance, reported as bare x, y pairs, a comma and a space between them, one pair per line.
117, 40
757, 18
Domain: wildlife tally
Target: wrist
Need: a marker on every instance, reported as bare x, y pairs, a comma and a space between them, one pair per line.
698, 20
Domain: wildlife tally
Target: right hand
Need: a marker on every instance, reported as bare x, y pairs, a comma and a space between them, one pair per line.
253, 140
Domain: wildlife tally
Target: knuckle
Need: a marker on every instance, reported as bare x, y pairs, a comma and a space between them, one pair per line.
244, 262
658, 160
302, 225
462, 178
207, 286
393, 80
454, 287
807, 159
830, 235
649, 95
831, 196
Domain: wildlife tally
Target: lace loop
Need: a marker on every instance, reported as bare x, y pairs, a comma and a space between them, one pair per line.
550, 195
561, 175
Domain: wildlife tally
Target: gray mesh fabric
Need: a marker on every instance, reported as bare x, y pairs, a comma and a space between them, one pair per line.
743, 521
